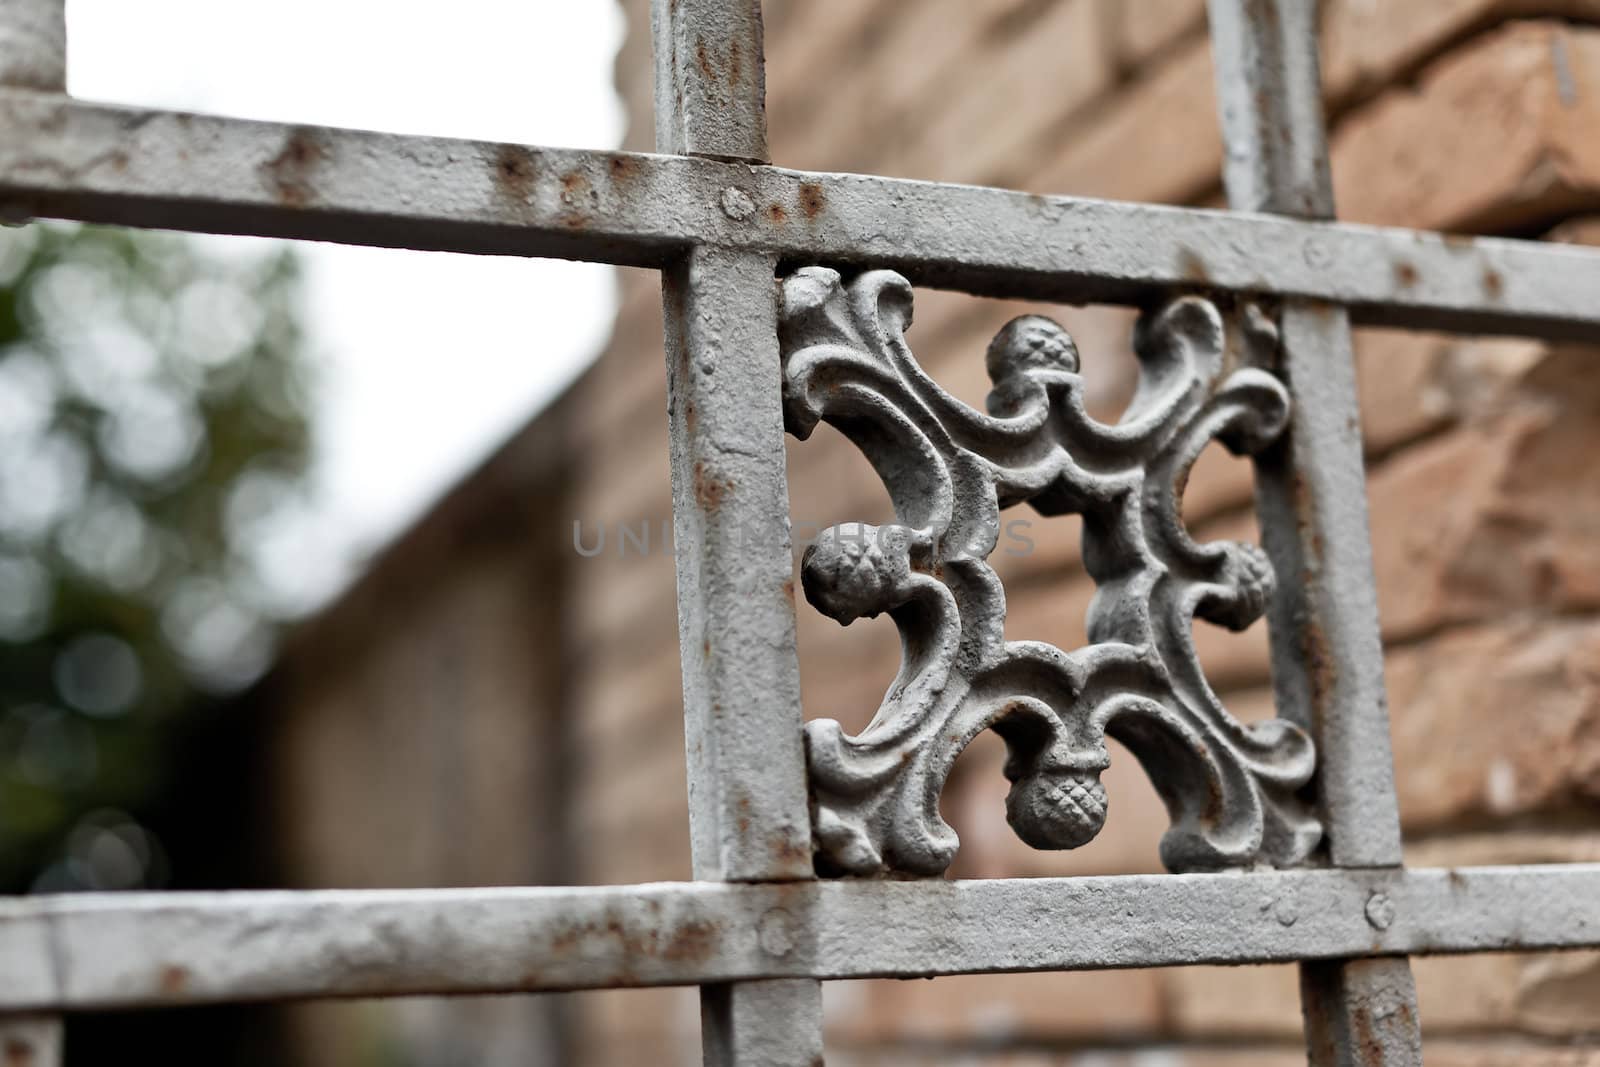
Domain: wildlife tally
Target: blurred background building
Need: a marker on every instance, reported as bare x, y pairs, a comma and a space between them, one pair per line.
496, 700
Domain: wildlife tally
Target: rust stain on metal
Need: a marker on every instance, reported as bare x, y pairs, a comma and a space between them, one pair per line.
695, 940
623, 167
1320, 309
1303, 519
702, 60
289, 172
1369, 1038
19, 1053
788, 850
1368, 1045
812, 199
564, 940
576, 195
515, 173
776, 213
788, 589
709, 490
1405, 274
1321, 669
174, 979
1494, 286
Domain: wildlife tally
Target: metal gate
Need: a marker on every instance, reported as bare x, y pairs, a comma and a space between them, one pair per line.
786, 299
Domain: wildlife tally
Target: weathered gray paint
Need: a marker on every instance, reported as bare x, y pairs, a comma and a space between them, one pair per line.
1269, 99
33, 45
950, 470
748, 817
141, 168
710, 79
736, 625
1327, 653
144, 949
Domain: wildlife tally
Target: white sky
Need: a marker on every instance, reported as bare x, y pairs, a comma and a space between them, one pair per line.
429, 360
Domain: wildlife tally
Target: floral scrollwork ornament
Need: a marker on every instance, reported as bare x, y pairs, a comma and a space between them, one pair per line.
950, 470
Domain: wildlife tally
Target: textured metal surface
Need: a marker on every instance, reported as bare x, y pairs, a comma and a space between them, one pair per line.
1327, 654
33, 44
107, 164
950, 470
1361, 1011
748, 817
741, 677
710, 81
1270, 103
126, 950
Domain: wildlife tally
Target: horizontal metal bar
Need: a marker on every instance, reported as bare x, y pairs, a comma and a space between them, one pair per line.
61, 158
129, 950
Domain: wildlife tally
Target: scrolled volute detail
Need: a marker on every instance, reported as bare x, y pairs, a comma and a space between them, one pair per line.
950, 470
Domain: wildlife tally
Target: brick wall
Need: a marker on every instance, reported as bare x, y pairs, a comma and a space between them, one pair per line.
1467, 115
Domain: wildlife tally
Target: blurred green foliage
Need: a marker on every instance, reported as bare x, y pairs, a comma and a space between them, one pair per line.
153, 427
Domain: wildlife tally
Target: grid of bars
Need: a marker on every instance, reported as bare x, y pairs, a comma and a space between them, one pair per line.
756, 931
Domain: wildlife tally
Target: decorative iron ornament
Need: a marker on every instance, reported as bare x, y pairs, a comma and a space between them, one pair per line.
1229, 787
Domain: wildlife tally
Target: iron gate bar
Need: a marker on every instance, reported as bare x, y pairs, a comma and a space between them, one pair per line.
33, 45
127, 950
1327, 655
100, 163
749, 818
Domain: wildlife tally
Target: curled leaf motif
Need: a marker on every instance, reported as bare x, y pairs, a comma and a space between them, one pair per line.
1229, 787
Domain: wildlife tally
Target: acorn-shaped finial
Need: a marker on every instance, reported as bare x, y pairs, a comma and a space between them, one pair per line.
1030, 342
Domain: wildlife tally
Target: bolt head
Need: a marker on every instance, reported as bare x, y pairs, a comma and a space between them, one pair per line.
776, 932
1380, 910
736, 204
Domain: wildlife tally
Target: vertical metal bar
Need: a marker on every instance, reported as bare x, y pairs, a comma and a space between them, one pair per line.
748, 812
33, 55
1360, 1012
1269, 95
710, 78
33, 45
1327, 656
747, 789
